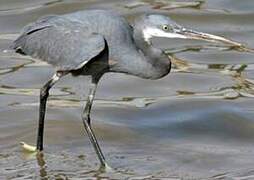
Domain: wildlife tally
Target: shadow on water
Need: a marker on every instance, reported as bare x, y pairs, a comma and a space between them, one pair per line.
196, 123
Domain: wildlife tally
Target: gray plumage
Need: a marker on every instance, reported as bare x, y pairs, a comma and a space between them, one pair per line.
62, 43
94, 42
69, 41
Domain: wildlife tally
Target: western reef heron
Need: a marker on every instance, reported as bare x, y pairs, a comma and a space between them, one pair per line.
94, 42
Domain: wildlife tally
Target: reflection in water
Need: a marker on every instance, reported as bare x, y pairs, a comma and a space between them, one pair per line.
243, 87
100, 173
42, 164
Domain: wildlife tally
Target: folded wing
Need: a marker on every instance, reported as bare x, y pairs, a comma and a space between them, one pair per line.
65, 44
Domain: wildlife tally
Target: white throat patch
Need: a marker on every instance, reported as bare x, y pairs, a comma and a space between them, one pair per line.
148, 33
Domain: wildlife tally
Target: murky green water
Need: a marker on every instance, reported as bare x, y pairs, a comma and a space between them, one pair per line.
196, 123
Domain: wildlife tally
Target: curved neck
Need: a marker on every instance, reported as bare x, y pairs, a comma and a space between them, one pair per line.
155, 56
147, 48
142, 59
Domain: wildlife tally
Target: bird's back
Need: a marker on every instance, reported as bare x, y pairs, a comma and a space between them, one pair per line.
115, 29
110, 24
67, 40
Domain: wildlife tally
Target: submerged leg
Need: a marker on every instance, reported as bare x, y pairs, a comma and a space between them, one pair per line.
44, 93
87, 123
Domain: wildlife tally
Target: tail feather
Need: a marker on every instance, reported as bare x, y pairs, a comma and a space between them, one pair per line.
20, 43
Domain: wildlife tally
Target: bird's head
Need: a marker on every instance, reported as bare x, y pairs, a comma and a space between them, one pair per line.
155, 25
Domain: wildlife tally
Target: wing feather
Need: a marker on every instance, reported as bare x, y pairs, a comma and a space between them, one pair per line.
64, 44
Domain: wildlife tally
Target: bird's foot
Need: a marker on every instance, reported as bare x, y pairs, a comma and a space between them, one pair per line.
28, 148
106, 168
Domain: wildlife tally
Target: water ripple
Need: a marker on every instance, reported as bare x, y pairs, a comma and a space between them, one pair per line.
27, 7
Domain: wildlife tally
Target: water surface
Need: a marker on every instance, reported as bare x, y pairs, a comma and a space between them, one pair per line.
196, 123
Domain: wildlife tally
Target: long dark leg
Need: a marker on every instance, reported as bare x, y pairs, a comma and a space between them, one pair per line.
44, 93
87, 123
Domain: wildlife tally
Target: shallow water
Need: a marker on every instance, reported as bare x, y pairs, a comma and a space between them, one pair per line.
196, 123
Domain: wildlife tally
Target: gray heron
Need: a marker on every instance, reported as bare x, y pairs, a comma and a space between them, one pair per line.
94, 42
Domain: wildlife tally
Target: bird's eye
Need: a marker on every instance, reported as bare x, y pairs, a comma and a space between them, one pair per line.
165, 28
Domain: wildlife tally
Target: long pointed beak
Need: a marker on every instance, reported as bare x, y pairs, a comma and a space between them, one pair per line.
183, 33
190, 34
